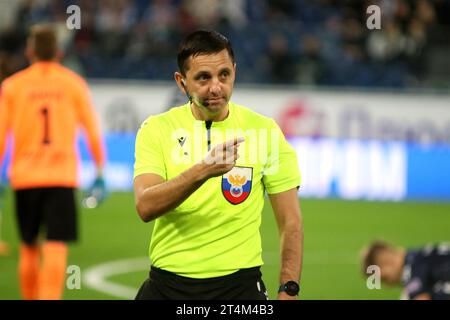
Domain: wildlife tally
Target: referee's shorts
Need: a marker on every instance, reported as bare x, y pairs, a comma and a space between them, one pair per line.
245, 284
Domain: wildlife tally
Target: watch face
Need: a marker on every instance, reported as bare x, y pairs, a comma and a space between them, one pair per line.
292, 288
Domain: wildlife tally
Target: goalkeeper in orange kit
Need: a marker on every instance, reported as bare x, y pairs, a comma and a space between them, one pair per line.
42, 107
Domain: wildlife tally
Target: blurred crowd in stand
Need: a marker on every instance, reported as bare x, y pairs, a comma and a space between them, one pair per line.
306, 42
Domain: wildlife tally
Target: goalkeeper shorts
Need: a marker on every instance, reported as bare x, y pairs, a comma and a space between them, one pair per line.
51, 211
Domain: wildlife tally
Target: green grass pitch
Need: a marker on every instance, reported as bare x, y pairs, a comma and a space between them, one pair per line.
335, 231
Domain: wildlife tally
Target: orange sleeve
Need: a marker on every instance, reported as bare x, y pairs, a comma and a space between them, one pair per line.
89, 120
5, 119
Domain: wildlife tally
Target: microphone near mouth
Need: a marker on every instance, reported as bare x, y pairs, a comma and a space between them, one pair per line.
201, 102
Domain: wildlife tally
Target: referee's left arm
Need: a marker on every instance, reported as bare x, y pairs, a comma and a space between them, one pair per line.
290, 226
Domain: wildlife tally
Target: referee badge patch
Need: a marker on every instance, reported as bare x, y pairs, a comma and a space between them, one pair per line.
237, 184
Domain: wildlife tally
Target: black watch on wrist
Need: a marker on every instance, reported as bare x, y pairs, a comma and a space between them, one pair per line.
291, 288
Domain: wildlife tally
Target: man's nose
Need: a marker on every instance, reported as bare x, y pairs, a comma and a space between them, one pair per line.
215, 87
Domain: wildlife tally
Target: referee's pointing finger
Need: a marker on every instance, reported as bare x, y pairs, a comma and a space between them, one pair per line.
233, 142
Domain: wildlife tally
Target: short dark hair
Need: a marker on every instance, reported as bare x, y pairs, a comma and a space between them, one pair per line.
371, 253
45, 43
202, 42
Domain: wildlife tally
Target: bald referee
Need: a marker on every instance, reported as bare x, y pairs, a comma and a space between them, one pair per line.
201, 171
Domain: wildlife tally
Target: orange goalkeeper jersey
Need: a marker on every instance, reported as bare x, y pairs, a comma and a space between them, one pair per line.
43, 106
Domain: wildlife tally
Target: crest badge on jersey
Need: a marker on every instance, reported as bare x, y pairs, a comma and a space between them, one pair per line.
237, 184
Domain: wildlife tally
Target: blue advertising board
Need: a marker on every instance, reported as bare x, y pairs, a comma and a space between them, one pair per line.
347, 169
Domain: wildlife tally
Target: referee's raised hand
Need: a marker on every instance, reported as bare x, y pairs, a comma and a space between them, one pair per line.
222, 158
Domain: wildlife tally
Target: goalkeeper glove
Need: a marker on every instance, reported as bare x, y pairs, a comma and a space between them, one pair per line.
96, 194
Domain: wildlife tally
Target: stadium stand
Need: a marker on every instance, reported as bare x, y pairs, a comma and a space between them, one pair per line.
321, 42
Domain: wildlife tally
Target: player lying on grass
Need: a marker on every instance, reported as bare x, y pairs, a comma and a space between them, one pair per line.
423, 272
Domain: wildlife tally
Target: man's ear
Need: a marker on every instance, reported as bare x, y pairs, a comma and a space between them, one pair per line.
29, 53
181, 82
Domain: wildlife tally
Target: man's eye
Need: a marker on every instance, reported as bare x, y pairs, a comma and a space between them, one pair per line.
224, 74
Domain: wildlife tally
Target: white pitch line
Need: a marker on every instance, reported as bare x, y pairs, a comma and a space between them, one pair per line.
96, 277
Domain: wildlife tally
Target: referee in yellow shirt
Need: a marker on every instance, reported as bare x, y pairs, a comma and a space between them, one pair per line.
201, 171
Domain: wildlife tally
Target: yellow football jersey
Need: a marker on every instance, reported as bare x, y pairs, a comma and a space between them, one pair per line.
215, 231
